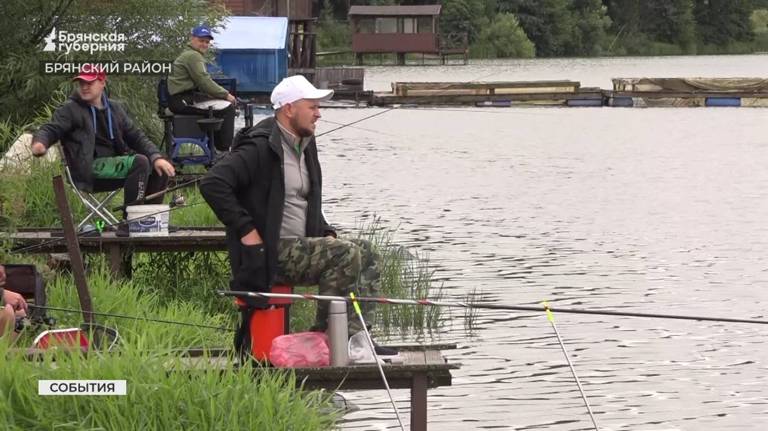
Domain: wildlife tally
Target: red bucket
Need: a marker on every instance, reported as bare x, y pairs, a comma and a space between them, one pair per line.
266, 325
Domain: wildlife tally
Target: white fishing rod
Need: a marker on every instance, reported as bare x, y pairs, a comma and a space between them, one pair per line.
359, 313
551, 319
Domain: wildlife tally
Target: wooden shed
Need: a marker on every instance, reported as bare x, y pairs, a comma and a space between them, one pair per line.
396, 29
293, 9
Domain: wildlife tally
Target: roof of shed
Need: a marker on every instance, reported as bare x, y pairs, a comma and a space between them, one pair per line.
433, 9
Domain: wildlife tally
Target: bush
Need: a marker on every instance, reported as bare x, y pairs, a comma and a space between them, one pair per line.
503, 38
333, 35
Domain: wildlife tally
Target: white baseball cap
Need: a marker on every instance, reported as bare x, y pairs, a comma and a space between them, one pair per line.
295, 88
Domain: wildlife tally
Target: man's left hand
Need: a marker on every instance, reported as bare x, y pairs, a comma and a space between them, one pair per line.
163, 166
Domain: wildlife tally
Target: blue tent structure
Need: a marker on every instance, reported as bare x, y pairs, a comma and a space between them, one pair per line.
254, 51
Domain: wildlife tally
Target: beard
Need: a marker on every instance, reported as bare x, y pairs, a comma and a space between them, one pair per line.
301, 131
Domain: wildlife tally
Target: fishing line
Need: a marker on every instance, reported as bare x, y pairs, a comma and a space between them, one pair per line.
335, 123
489, 110
487, 306
123, 316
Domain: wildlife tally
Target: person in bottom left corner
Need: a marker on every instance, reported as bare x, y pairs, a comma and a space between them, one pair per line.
12, 305
102, 147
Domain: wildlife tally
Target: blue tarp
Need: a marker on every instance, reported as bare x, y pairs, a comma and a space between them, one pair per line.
252, 32
253, 50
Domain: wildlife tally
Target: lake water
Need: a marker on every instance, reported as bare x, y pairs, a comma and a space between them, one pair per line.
649, 210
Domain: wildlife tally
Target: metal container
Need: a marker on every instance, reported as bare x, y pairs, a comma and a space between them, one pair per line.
337, 334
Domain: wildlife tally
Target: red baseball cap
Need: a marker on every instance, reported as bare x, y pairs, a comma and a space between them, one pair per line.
90, 73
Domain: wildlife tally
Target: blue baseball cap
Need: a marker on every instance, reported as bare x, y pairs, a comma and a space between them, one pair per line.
202, 31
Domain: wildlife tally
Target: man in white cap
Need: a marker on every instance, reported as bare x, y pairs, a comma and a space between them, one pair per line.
268, 194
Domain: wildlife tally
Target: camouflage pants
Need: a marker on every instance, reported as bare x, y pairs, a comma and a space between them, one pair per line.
337, 267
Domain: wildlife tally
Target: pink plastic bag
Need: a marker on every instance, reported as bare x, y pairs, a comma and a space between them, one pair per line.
304, 349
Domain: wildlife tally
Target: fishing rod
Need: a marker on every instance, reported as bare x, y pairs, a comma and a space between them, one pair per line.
355, 122
100, 227
158, 194
375, 356
551, 319
123, 316
487, 306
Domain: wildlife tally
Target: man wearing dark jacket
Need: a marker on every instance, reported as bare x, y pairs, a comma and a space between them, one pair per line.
268, 193
103, 148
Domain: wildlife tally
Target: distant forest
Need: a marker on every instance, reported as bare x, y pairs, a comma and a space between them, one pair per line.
568, 28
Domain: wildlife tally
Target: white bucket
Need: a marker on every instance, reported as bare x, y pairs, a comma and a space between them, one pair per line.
148, 220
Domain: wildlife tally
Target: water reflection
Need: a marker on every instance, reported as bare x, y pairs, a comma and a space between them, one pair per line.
655, 210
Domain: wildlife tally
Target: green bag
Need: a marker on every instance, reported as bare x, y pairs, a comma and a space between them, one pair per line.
112, 168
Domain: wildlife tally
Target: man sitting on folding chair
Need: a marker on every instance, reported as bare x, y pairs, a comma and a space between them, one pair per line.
103, 149
193, 91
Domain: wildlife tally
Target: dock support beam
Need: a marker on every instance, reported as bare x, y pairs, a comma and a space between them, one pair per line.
419, 402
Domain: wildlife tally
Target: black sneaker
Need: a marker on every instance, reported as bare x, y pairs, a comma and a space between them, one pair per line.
317, 328
384, 351
122, 230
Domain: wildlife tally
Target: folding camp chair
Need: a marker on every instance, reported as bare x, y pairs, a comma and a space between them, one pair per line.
96, 207
184, 130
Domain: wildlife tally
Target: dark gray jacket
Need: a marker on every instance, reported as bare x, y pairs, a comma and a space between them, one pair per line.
72, 124
246, 190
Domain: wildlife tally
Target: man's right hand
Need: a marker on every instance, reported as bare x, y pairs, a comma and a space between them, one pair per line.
251, 238
15, 301
38, 149
231, 99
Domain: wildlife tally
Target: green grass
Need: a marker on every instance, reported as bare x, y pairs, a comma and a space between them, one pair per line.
162, 392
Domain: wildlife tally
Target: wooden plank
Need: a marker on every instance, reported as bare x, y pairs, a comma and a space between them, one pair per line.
423, 347
434, 357
385, 99
484, 84
484, 91
184, 240
73, 248
224, 351
679, 94
414, 358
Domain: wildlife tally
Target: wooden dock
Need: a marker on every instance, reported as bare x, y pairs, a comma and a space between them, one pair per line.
120, 249
424, 367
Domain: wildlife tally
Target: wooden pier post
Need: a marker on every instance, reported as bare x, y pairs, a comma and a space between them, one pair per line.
73, 249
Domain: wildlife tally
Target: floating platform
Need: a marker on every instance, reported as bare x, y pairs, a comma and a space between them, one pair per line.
490, 94
626, 92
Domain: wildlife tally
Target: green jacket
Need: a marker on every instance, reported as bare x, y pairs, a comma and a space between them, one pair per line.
189, 73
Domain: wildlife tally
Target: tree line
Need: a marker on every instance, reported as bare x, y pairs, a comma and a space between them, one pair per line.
552, 28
